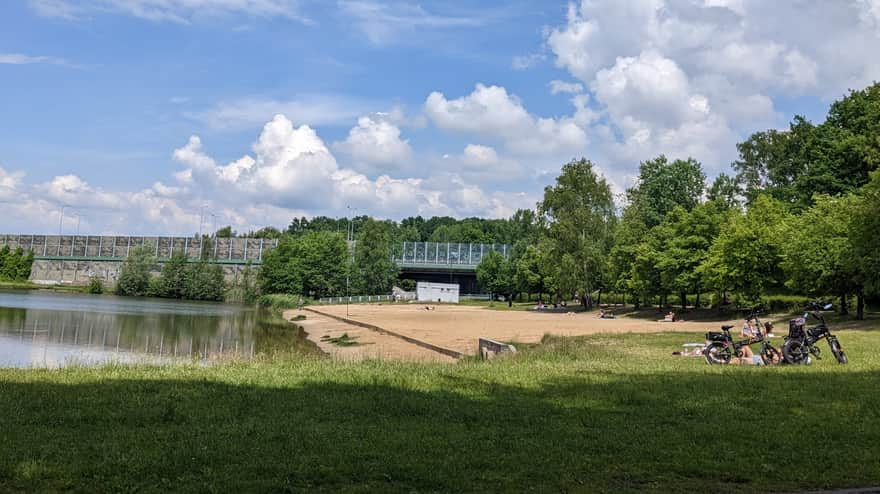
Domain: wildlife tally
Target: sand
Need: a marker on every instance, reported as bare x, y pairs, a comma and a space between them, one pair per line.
372, 344
458, 327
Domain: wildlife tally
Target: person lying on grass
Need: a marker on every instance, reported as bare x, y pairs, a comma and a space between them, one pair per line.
670, 317
603, 314
751, 331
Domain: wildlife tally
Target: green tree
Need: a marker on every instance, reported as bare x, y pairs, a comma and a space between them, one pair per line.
832, 158
865, 237
745, 257
269, 232
134, 276
204, 281
225, 232
725, 190
627, 236
24, 266
375, 270
528, 276
580, 213
818, 252
314, 264
5, 254
173, 279
662, 186
496, 274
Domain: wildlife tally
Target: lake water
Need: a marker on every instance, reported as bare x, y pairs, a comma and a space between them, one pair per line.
40, 328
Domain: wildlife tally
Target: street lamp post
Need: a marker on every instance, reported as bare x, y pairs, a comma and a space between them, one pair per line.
61, 219
348, 271
77, 223
201, 218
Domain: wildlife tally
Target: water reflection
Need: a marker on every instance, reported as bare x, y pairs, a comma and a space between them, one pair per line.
48, 329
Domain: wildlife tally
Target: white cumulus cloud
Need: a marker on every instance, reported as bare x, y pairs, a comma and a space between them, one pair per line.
490, 111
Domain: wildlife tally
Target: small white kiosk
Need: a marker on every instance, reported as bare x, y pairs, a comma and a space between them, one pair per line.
437, 292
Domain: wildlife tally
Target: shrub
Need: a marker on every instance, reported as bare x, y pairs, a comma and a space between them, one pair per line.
134, 277
95, 286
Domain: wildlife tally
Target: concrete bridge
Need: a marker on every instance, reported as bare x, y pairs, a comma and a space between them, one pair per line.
76, 258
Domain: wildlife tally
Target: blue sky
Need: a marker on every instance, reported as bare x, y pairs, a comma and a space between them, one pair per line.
139, 112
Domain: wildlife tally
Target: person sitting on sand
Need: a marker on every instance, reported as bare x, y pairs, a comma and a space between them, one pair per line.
603, 314
670, 317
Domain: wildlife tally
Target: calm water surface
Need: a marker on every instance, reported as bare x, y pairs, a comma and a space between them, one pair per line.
41, 328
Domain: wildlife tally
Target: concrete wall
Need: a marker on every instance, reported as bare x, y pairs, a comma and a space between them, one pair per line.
437, 292
78, 272
223, 249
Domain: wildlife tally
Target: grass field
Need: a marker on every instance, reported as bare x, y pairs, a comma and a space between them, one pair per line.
612, 413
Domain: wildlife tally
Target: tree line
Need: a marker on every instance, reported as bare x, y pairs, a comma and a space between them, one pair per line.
411, 229
179, 278
801, 215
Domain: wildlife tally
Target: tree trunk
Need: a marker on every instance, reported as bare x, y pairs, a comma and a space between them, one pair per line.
860, 305
599, 299
697, 302
684, 301
637, 302
624, 299
844, 309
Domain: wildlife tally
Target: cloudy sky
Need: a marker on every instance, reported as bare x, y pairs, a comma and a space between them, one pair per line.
142, 114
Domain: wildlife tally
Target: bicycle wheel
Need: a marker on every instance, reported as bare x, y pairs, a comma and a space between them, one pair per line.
795, 352
837, 350
717, 353
770, 355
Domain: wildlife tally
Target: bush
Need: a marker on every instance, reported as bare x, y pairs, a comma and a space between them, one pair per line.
134, 277
408, 285
95, 286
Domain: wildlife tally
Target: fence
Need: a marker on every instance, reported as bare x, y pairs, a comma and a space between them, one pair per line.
118, 246
447, 253
368, 298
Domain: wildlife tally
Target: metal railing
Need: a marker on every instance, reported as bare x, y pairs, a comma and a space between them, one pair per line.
118, 246
447, 253
368, 298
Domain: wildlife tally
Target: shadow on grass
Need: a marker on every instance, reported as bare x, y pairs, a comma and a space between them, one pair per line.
697, 432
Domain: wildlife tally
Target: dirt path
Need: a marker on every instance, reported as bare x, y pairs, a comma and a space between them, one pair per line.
458, 327
372, 345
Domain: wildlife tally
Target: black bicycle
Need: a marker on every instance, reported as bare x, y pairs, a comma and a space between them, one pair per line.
722, 347
801, 340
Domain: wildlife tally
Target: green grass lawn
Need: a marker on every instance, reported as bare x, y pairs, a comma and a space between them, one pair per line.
602, 413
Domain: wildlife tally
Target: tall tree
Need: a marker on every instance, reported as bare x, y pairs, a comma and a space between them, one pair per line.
817, 251
745, 257
496, 274
725, 190
832, 158
314, 264
579, 211
373, 266
865, 236
662, 186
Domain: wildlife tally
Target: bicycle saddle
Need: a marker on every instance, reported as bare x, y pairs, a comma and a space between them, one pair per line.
726, 327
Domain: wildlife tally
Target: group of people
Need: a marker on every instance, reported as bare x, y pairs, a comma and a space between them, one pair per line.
542, 306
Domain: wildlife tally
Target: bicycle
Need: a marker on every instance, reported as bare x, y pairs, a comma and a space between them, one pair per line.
722, 347
801, 340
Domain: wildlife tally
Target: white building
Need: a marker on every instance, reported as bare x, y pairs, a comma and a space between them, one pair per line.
437, 292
